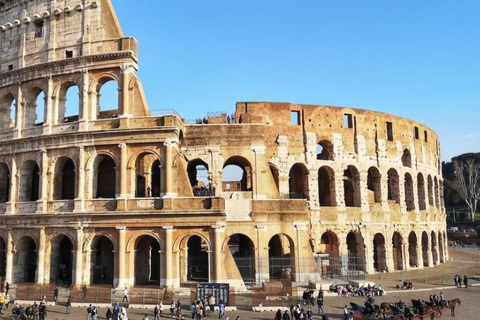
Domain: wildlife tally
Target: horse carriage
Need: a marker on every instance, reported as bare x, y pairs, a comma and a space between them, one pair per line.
371, 311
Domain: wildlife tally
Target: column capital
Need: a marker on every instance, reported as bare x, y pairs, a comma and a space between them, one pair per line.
167, 228
122, 228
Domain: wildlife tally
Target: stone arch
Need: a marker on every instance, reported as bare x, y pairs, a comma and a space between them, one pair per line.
374, 185
393, 185
34, 114
147, 260
195, 258
325, 150
326, 187
102, 260
197, 170
379, 253
407, 158
422, 205
29, 181
433, 238
242, 249
281, 257
25, 265
64, 179
147, 174
351, 187
356, 251
68, 102
397, 251
298, 182
61, 259
4, 183
105, 86
275, 174
412, 250
8, 112
430, 190
104, 184
409, 192
245, 183
329, 243
425, 250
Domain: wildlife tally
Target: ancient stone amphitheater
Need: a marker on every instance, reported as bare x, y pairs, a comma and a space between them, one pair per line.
116, 196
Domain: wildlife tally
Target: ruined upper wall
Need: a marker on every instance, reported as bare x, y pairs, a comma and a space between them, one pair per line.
40, 31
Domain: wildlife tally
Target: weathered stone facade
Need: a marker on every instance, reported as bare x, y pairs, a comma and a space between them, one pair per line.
110, 197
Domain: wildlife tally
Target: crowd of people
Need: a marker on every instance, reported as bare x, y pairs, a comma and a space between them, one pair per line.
458, 281
353, 291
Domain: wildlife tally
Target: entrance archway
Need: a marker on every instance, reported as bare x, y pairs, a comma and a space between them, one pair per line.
379, 253
3, 256
412, 250
147, 261
243, 252
397, 251
434, 248
61, 260
197, 259
281, 257
356, 252
26, 265
425, 248
103, 261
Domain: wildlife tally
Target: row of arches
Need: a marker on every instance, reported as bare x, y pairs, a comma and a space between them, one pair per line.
65, 104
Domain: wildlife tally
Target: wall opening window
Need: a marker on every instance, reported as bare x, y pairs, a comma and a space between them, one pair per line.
10, 67
295, 118
348, 121
39, 29
415, 132
425, 136
389, 131
68, 54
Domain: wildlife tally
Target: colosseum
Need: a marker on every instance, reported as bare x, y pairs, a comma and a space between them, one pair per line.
114, 195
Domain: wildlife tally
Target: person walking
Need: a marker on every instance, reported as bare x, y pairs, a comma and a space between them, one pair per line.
125, 295
109, 314
221, 309
55, 295
465, 281
345, 312
69, 305
452, 310
286, 316
320, 304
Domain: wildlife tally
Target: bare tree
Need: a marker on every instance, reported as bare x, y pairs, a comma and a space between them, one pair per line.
467, 183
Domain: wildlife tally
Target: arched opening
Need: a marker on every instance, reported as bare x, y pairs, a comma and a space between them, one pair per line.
356, 252
407, 158
351, 187
40, 108
198, 175
324, 150
326, 187
107, 96
106, 178
68, 109
441, 248
147, 170
4, 183
397, 251
412, 250
425, 248
156, 179
103, 261
275, 175
393, 185
237, 175
26, 256
197, 259
64, 185
8, 112
3, 257
34, 107
298, 182
329, 245
379, 253
409, 193
422, 205
281, 257
374, 185
434, 248
29, 181
243, 252
61, 260
147, 261
436, 193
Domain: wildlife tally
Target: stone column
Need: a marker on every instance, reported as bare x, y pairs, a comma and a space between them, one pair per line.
121, 256
44, 183
12, 203
81, 184
368, 252
262, 263
419, 254
168, 255
389, 252
219, 235
50, 111
123, 170
126, 72
9, 258
429, 253
79, 257
19, 123
87, 106
41, 257
168, 169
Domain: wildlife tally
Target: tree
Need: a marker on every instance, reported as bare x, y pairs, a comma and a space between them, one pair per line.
467, 183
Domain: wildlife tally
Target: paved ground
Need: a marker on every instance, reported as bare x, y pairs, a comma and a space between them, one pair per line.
426, 282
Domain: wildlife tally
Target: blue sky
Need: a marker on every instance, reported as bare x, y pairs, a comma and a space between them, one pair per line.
415, 59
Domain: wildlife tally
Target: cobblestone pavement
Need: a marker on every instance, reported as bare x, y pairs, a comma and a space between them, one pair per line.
438, 279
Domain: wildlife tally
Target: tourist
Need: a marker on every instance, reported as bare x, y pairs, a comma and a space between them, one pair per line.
55, 295
286, 316
109, 314
211, 303
221, 309
125, 295
465, 281
320, 303
69, 305
345, 312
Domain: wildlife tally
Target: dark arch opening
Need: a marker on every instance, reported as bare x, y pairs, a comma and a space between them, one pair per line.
147, 261
197, 259
243, 252
103, 261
